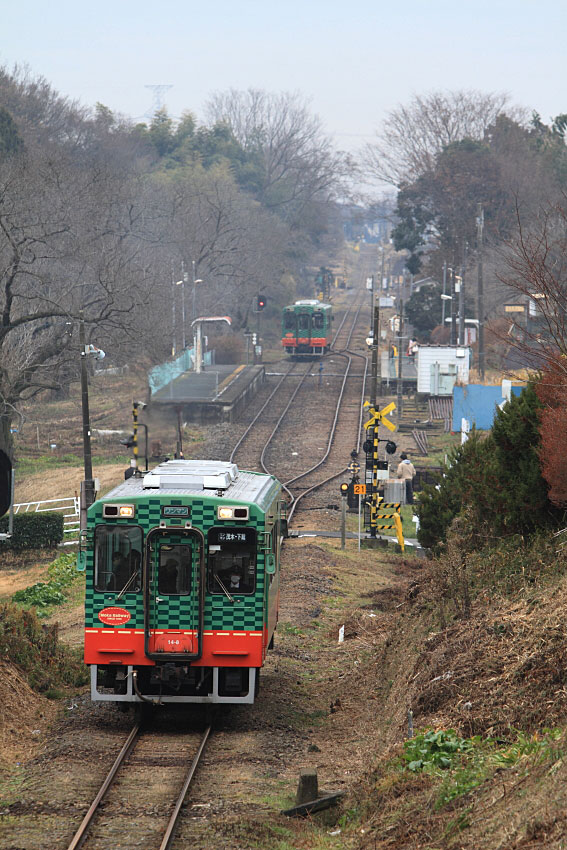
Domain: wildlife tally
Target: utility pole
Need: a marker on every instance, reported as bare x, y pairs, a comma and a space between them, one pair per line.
462, 298
373, 432
88, 485
444, 293
183, 281
480, 293
453, 309
462, 308
400, 383
172, 312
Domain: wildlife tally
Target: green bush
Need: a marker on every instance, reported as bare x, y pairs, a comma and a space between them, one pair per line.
35, 649
34, 531
468, 477
497, 476
62, 573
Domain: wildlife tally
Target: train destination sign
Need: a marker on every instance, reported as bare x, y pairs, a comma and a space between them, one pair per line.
176, 510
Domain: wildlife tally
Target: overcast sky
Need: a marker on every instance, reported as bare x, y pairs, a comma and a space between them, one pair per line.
354, 61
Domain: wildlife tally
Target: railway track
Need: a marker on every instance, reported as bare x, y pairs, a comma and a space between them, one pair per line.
251, 448
305, 411
137, 795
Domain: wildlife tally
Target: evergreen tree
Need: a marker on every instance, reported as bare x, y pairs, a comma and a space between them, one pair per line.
499, 477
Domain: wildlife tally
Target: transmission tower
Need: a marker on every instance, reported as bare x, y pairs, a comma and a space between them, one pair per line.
158, 99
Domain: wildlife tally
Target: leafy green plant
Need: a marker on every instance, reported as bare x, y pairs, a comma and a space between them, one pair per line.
464, 763
435, 749
44, 595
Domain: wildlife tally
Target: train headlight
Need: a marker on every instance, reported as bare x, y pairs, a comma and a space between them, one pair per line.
232, 512
118, 511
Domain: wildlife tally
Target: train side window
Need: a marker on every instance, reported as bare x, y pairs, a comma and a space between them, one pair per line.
289, 321
174, 569
303, 321
118, 558
232, 560
318, 321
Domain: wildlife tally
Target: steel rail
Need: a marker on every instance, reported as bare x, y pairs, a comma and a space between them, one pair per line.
81, 833
333, 427
280, 420
296, 499
170, 831
272, 394
268, 400
345, 468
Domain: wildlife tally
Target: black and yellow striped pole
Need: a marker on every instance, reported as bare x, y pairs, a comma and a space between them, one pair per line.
378, 417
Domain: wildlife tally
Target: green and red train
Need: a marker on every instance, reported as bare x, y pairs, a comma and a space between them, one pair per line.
182, 584
307, 328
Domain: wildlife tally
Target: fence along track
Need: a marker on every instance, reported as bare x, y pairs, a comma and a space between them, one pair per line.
69, 507
82, 833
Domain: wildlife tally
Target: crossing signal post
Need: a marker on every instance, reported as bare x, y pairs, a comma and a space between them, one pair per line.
344, 494
373, 465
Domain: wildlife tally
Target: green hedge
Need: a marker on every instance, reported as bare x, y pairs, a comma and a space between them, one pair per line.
34, 531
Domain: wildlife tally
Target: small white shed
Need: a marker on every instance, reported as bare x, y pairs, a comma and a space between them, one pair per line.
440, 367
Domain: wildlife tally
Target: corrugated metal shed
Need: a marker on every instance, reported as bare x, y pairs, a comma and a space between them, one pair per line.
440, 367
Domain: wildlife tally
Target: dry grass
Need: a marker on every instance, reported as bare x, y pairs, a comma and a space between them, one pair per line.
65, 482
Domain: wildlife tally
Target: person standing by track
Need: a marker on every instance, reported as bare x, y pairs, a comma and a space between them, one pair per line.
406, 471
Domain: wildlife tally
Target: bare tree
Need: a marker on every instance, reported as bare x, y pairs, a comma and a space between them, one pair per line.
69, 241
413, 135
295, 156
537, 273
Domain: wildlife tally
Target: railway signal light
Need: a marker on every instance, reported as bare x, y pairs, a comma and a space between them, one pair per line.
260, 303
344, 489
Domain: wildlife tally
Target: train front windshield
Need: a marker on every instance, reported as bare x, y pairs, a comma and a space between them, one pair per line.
232, 560
118, 558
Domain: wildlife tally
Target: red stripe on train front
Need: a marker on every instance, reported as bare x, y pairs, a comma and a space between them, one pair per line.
220, 649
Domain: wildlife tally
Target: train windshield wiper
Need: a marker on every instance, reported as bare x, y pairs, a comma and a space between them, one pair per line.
224, 590
126, 586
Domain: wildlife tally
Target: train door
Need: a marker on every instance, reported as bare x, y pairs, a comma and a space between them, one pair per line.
174, 594
304, 326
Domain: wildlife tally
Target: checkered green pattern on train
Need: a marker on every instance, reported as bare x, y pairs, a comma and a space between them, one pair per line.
246, 616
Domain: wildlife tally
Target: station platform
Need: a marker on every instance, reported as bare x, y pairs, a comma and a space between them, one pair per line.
217, 394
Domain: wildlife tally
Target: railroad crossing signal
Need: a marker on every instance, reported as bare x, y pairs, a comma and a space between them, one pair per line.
378, 417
